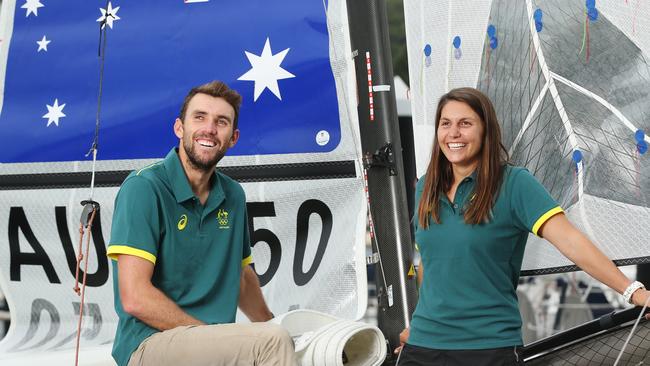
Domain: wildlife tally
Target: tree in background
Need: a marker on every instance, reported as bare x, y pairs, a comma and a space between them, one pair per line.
397, 33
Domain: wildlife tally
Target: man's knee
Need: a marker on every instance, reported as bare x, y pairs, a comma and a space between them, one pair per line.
276, 334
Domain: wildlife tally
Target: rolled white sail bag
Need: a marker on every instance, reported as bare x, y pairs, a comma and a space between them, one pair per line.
324, 340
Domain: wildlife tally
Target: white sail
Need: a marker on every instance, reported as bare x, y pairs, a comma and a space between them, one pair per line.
569, 85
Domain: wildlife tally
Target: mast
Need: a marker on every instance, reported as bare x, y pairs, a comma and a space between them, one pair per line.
380, 141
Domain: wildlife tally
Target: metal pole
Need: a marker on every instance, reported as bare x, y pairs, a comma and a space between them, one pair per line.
380, 141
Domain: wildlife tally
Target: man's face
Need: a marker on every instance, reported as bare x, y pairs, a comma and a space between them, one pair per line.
207, 131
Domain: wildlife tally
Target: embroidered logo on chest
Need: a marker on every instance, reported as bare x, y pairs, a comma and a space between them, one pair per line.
222, 219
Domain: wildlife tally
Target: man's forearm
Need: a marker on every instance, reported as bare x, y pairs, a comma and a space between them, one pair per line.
156, 310
251, 300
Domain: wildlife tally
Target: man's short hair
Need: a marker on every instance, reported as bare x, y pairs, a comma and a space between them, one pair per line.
217, 89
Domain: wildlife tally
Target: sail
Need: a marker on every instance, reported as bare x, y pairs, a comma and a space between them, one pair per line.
569, 81
297, 159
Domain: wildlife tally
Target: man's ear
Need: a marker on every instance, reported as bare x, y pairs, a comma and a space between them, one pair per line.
234, 138
178, 128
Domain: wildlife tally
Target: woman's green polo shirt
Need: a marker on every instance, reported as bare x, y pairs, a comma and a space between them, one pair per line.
468, 296
198, 250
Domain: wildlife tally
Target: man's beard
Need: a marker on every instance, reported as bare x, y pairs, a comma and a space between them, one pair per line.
196, 162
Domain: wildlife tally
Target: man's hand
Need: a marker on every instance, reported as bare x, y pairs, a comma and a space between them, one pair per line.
251, 300
403, 337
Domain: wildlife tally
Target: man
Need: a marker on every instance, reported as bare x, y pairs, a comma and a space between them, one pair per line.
181, 248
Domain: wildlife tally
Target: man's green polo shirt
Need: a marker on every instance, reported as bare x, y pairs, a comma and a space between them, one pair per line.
468, 296
198, 250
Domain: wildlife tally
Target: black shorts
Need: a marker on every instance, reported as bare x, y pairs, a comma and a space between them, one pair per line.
420, 356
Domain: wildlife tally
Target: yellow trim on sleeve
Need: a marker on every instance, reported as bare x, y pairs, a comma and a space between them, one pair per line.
417, 248
115, 250
246, 261
550, 213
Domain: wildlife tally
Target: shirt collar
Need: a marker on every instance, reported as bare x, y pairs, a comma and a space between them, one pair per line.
181, 186
177, 178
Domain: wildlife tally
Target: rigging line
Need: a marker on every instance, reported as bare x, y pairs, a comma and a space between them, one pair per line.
90, 207
627, 341
82, 293
371, 225
102, 57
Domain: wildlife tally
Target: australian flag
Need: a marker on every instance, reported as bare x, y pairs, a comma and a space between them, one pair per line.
275, 53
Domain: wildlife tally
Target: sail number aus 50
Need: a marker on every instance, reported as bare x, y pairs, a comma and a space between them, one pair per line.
38, 255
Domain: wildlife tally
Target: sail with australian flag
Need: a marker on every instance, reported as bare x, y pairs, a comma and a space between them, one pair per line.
111, 75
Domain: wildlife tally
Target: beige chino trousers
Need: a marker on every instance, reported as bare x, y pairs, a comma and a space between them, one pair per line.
254, 344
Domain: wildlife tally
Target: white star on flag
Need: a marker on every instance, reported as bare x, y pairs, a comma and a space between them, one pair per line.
266, 71
42, 44
32, 7
54, 113
109, 15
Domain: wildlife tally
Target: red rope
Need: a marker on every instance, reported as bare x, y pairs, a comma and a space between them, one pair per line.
87, 232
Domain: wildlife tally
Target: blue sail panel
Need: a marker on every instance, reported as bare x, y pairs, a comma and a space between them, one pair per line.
275, 54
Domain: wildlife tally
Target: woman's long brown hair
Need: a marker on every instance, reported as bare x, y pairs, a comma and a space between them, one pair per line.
489, 171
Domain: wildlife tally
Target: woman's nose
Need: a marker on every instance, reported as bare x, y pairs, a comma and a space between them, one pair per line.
454, 131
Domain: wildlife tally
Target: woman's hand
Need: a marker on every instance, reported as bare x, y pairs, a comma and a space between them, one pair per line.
639, 298
403, 337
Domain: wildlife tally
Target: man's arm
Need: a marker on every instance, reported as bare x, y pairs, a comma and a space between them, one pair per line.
143, 300
251, 300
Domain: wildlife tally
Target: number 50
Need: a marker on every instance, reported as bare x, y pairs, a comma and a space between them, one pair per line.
307, 208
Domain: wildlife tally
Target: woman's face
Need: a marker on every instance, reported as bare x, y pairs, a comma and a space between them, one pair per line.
460, 134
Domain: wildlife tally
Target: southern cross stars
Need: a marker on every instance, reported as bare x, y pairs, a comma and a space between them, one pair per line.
109, 15
42, 44
32, 7
54, 113
266, 71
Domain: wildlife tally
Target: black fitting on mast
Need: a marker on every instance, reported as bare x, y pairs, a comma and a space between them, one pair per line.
383, 157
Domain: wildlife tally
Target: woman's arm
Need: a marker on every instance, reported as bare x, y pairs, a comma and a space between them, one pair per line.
580, 250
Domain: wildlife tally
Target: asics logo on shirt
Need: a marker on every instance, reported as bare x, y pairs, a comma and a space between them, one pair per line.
182, 222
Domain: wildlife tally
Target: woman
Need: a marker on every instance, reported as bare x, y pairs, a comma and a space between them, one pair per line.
473, 215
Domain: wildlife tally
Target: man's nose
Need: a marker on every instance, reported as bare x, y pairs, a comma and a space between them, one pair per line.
212, 128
